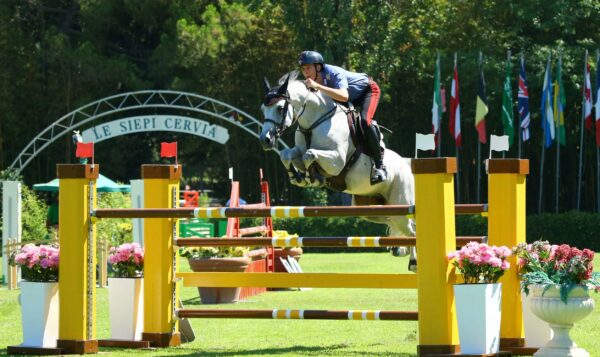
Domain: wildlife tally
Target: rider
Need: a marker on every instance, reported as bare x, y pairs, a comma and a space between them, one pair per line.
345, 86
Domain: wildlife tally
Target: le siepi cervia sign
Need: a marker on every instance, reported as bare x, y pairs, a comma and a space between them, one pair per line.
156, 123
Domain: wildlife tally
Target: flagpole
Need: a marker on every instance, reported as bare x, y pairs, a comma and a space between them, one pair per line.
520, 130
507, 64
479, 145
455, 144
541, 188
545, 128
557, 133
439, 133
581, 129
597, 147
478, 171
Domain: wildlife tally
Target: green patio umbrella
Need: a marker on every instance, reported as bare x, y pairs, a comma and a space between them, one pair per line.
103, 184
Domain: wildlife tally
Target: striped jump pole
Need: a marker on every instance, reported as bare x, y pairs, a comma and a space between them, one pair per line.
275, 211
434, 197
77, 283
506, 226
369, 315
161, 189
313, 241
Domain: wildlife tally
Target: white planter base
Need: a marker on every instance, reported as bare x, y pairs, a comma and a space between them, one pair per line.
39, 307
478, 315
561, 345
561, 316
126, 308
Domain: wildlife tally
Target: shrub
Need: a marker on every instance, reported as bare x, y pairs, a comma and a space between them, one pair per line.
115, 230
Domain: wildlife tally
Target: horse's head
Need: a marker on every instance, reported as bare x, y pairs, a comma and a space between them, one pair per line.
278, 113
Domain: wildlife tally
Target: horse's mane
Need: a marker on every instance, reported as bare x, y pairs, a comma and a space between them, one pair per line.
292, 74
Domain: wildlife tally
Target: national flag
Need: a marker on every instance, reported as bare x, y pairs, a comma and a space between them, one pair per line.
168, 149
587, 94
436, 110
598, 102
546, 109
84, 150
559, 105
507, 106
523, 103
455, 109
482, 107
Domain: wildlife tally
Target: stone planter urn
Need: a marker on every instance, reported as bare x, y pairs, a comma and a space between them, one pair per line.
219, 295
548, 306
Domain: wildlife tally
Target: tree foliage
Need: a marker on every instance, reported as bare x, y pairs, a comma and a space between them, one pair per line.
57, 55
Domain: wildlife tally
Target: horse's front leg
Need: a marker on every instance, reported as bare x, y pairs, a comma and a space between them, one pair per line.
330, 162
292, 161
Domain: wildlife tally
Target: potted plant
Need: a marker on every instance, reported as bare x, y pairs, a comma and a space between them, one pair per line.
478, 300
39, 293
222, 259
559, 284
125, 292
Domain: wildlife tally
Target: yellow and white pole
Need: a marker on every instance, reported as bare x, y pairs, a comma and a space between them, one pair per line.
77, 280
436, 237
506, 226
161, 190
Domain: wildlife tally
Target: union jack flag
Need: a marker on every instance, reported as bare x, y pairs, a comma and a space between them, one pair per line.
523, 104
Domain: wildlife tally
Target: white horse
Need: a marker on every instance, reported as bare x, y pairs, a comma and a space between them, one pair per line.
324, 153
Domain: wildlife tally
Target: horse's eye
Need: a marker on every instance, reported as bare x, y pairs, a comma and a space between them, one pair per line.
280, 110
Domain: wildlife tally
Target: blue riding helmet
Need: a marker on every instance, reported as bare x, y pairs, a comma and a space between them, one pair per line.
310, 57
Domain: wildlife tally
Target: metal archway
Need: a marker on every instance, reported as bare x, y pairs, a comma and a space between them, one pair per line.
147, 99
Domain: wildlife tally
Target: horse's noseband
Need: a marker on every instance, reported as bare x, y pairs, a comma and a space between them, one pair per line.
270, 99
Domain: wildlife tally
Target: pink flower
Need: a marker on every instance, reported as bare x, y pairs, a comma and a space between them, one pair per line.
480, 262
38, 263
127, 260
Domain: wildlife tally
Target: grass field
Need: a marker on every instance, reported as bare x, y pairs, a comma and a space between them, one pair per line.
221, 337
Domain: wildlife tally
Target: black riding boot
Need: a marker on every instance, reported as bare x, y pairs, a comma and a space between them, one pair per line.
373, 141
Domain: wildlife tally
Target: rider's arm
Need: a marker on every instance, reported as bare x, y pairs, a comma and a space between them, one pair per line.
337, 94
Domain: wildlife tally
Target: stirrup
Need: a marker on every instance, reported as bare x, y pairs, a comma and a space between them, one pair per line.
379, 175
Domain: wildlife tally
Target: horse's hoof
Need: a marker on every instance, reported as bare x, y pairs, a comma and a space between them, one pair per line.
412, 265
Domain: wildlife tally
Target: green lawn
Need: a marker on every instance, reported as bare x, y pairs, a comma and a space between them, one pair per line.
291, 338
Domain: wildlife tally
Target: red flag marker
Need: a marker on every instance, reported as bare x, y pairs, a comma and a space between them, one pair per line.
169, 150
84, 150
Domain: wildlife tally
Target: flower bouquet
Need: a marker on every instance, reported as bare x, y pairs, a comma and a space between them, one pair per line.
480, 263
561, 266
478, 300
39, 293
127, 260
37, 263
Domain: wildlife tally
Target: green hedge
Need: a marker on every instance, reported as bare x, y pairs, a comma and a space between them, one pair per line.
580, 229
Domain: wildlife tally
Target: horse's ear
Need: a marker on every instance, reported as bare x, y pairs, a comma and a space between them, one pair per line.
267, 85
283, 89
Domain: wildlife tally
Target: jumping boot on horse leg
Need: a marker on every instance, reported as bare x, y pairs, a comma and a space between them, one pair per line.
373, 141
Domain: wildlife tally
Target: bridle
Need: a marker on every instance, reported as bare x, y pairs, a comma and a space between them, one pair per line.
273, 98
270, 100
